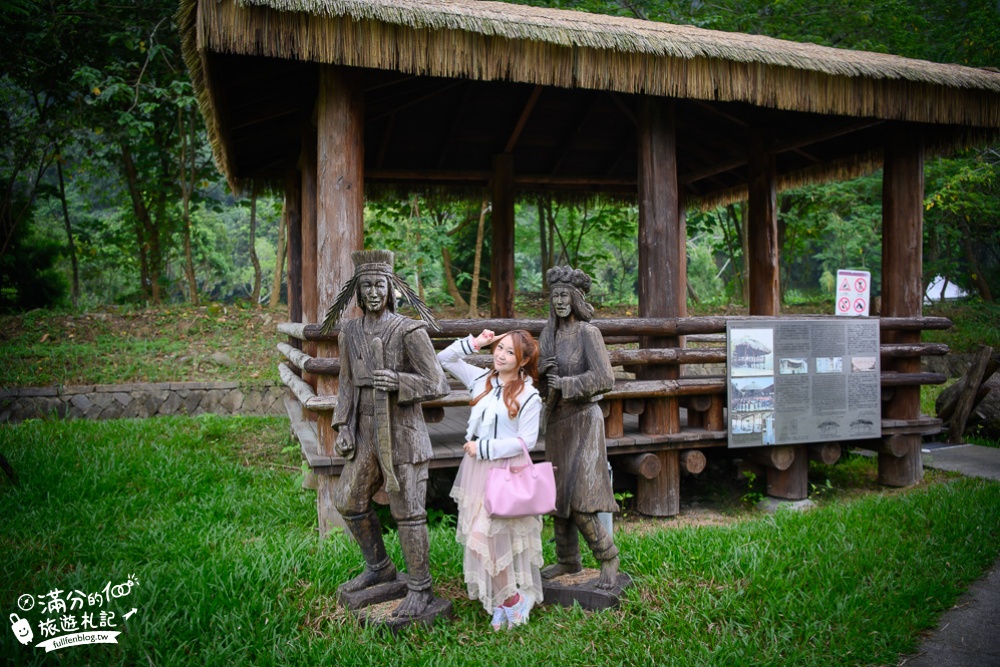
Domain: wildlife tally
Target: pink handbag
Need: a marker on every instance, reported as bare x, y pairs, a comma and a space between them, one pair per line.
527, 491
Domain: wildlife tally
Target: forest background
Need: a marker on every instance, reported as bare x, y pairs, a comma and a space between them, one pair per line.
110, 194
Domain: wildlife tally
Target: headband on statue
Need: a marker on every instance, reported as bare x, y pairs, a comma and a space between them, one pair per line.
379, 262
567, 275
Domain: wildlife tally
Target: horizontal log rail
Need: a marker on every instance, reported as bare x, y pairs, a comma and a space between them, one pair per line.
304, 393
630, 327
645, 357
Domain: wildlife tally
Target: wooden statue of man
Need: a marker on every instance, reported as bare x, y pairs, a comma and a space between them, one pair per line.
577, 372
387, 367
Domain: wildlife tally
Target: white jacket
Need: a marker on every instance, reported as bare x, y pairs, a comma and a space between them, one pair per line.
496, 434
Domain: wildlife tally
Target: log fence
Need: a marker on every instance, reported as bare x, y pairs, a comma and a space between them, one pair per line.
656, 459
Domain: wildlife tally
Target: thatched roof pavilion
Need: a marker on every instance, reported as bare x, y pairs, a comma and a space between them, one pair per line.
326, 98
449, 83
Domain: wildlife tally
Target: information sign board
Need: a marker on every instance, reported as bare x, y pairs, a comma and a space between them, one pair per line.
794, 381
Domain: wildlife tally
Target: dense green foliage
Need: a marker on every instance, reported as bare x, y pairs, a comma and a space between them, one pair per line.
204, 512
110, 191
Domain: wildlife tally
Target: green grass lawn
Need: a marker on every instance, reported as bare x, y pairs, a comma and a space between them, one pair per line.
205, 513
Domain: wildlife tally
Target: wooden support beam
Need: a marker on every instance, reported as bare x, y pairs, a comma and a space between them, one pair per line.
792, 483
293, 207
502, 259
339, 223
661, 286
660, 496
647, 465
715, 417
693, 461
614, 421
779, 457
308, 167
826, 453
762, 224
902, 285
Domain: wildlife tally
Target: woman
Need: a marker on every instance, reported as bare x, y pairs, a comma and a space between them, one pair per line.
502, 556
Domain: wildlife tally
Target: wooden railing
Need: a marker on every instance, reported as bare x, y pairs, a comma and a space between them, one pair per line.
631, 445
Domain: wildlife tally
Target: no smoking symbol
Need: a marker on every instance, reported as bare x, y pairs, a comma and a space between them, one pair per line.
860, 285
844, 304
859, 305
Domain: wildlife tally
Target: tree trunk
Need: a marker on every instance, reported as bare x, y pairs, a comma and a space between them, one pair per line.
255, 297
543, 249
415, 216
142, 219
449, 278
188, 177
977, 273
279, 261
70, 244
474, 292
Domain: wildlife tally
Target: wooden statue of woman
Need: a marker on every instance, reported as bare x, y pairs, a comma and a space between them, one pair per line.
577, 372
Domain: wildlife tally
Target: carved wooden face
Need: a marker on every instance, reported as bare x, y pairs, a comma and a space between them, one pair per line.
562, 301
373, 290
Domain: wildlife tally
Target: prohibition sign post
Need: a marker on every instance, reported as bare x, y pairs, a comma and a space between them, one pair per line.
853, 291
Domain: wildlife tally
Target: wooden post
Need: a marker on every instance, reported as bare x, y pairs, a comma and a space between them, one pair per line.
293, 207
339, 227
660, 496
762, 228
614, 422
902, 286
310, 297
715, 418
693, 461
661, 288
502, 260
826, 453
646, 465
765, 291
793, 482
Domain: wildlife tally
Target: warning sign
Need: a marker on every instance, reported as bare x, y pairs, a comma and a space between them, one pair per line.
853, 293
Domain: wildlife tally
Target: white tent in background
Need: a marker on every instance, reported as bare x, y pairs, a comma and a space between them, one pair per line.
939, 285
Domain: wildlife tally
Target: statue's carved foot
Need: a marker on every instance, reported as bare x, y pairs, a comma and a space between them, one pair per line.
414, 603
370, 577
559, 569
609, 573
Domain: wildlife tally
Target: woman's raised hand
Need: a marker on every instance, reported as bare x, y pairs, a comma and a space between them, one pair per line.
484, 339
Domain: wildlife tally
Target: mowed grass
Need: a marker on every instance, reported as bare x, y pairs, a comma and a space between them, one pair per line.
207, 516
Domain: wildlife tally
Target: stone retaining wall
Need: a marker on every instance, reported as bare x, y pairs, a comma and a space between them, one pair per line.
115, 401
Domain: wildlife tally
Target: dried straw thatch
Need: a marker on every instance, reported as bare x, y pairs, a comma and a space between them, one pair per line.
484, 40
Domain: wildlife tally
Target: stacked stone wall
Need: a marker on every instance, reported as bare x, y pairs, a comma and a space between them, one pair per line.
120, 401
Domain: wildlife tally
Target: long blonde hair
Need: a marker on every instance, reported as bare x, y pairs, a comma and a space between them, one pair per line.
526, 353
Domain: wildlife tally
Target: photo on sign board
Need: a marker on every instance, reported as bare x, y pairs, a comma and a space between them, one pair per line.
862, 364
745, 423
752, 394
829, 364
751, 352
795, 366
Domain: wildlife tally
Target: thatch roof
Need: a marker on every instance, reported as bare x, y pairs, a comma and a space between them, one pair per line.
476, 40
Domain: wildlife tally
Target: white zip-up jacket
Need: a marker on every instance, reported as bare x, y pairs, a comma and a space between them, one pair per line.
497, 435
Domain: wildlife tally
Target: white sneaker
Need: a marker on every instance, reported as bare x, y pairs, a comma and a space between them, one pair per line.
499, 621
517, 614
